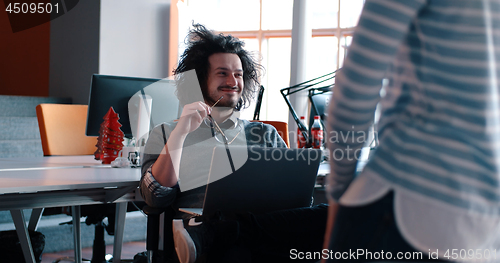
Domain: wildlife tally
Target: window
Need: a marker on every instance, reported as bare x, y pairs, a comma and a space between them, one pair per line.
265, 26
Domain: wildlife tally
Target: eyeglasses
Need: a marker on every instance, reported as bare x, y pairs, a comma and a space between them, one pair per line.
214, 127
216, 130
213, 124
218, 133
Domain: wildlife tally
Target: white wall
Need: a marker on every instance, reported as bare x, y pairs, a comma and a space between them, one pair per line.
134, 38
114, 37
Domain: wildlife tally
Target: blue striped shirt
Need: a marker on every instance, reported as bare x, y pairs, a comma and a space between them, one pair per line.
439, 130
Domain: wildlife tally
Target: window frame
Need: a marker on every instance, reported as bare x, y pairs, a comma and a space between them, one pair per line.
261, 34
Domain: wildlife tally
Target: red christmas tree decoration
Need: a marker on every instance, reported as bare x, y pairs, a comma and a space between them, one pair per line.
110, 140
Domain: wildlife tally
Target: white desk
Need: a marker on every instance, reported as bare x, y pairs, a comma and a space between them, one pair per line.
35, 183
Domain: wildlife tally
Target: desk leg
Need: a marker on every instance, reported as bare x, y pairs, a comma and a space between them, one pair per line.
77, 231
121, 211
36, 214
22, 233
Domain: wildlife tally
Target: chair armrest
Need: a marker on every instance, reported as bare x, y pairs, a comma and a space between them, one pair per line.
153, 227
153, 231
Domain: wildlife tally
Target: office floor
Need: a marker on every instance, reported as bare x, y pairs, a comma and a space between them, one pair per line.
128, 252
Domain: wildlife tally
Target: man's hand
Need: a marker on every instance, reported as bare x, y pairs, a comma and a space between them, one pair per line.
192, 116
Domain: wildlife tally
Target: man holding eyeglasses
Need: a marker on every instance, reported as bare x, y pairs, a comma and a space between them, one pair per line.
178, 154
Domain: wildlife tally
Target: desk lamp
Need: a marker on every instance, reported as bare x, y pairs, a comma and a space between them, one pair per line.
258, 103
285, 92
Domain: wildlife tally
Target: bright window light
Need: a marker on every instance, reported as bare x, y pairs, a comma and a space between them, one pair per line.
265, 26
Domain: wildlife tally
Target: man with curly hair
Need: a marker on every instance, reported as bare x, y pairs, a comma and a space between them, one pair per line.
177, 159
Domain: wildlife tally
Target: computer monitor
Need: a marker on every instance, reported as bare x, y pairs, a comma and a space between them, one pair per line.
320, 99
116, 91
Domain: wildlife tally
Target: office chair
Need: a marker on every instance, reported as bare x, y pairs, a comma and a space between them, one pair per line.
159, 234
281, 127
62, 132
160, 248
62, 129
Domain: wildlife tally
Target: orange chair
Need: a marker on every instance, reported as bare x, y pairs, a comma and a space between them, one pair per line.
281, 127
62, 129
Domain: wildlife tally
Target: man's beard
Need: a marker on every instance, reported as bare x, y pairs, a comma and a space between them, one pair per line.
224, 102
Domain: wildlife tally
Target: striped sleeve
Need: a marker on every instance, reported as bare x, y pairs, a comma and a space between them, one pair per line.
382, 27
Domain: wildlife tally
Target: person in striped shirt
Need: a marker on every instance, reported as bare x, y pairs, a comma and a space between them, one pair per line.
432, 186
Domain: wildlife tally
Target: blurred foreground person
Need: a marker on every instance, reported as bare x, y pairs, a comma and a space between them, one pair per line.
433, 184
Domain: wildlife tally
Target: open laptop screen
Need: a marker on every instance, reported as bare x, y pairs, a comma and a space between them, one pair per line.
266, 179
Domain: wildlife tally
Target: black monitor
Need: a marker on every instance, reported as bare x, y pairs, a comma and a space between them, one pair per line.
116, 91
320, 99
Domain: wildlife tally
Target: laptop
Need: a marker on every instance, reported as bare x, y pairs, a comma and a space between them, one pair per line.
264, 180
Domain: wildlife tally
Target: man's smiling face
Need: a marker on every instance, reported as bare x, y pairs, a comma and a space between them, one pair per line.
225, 78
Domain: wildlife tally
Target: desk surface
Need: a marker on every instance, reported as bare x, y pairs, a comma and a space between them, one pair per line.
62, 180
49, 162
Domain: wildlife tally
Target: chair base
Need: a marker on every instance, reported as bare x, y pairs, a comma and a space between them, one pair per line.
69, 259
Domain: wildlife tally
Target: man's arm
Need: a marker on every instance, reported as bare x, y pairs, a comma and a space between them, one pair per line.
157, 186
166, 168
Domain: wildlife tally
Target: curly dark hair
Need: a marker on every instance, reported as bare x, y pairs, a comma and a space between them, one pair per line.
201, 44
